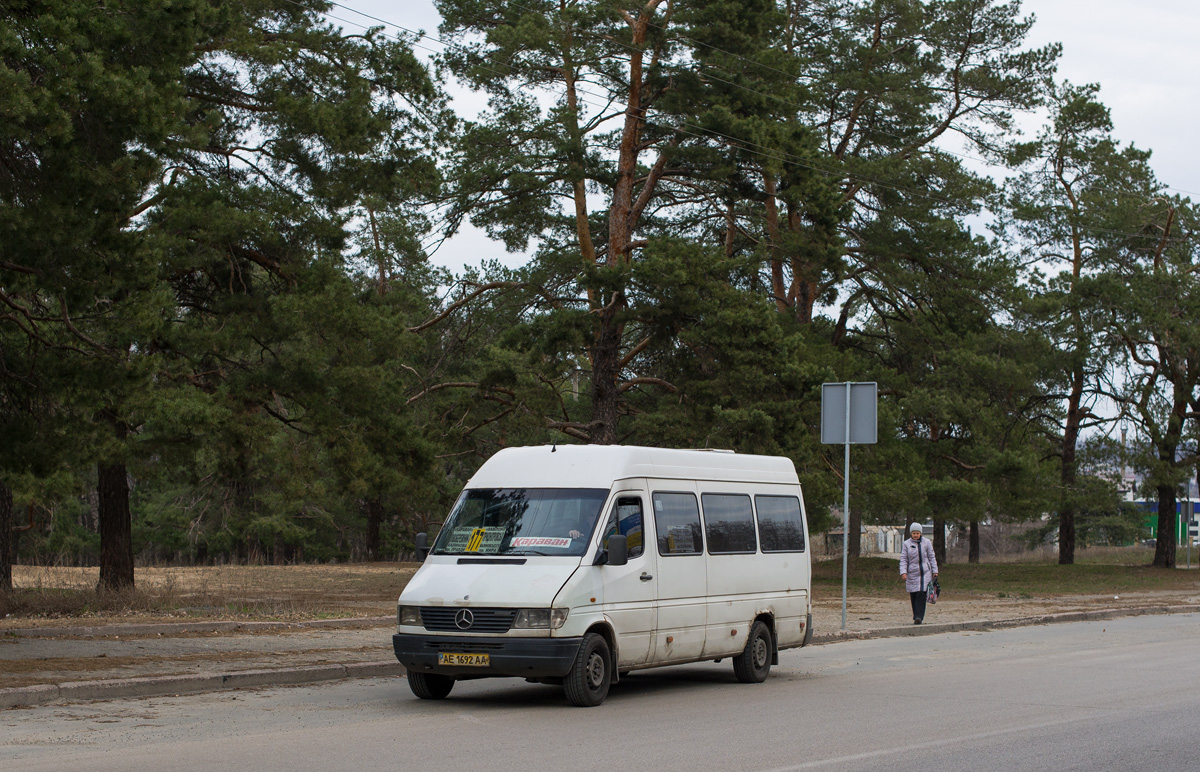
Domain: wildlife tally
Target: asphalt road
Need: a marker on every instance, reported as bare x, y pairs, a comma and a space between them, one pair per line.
1112, 695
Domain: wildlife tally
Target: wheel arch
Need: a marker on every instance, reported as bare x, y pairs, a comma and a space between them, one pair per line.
605, 630
768, 619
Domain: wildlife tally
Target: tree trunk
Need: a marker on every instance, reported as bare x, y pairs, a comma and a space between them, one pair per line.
1066, 533
1164, 549
1066, 507
374, 520
973, 550
939, 540
606, 369
778, 291
624, 213
116, 528
89, 518
805, 296
854, 538
6, 537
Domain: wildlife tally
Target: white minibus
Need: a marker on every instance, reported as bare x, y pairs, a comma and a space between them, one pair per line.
576, 564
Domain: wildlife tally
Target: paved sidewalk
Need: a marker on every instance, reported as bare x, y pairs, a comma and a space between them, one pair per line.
62, 664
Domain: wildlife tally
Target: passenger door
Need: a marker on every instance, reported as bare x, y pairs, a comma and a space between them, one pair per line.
630, 590
682, 580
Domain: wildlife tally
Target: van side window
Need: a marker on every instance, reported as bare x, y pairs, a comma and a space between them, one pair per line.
728, 523
780, 524
626, 519
677, 519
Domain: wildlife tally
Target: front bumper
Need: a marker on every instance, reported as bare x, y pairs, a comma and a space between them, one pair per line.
520, 657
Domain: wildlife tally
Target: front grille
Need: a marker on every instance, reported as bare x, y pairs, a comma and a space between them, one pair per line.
464, 646
481, 620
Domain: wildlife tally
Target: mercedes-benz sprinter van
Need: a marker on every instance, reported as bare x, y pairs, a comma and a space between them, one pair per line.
576, 564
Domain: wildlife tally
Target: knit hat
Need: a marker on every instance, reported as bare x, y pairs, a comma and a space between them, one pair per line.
915, 527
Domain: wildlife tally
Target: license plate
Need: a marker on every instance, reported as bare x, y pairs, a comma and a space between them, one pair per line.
463, 660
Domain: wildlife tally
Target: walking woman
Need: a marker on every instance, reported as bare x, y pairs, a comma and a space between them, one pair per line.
918, 567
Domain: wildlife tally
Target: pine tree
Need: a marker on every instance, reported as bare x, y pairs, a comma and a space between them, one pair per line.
187, 171
1070, 212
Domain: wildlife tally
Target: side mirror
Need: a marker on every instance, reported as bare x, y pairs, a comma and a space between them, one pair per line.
618, 550
422, 542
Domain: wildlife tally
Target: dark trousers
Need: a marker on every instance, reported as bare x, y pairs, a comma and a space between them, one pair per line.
918, 604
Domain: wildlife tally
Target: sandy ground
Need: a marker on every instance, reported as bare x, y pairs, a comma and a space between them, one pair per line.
864, 613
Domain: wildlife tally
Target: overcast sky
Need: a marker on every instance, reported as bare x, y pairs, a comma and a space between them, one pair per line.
1145, 54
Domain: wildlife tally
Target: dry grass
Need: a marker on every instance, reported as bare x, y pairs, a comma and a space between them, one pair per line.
59, 596
284, 593
1107, 556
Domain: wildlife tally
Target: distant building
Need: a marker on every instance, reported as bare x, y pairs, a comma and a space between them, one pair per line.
1185, 511
880, 539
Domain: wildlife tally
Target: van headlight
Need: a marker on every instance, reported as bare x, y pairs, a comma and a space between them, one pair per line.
409, 615
540, 618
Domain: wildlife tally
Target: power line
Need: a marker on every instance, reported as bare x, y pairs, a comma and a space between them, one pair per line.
705, 133
762, 65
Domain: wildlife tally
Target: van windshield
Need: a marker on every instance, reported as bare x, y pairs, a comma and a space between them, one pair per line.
521, 521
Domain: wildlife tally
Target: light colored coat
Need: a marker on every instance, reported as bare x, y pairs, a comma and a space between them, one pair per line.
918, 561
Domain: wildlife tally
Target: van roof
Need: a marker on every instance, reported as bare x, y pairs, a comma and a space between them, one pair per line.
597, 466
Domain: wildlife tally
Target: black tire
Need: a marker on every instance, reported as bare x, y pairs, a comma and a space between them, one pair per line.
754, 663
430, 686
586, 685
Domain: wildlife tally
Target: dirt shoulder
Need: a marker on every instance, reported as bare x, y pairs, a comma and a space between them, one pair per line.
870, 612
114, 649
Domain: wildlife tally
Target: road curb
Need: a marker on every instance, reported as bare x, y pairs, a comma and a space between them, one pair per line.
158, 686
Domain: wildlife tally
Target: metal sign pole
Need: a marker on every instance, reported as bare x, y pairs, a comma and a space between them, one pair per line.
1188, 516
842, 427
846, 508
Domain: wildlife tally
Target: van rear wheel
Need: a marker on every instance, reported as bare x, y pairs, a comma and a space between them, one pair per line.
754, 663
430, 686
587, 683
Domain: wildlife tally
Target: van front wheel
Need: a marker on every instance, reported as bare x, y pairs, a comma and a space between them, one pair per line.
430, 686
587, 683
754, 663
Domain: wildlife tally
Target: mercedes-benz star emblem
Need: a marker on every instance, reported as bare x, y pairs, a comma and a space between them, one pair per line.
464, 619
